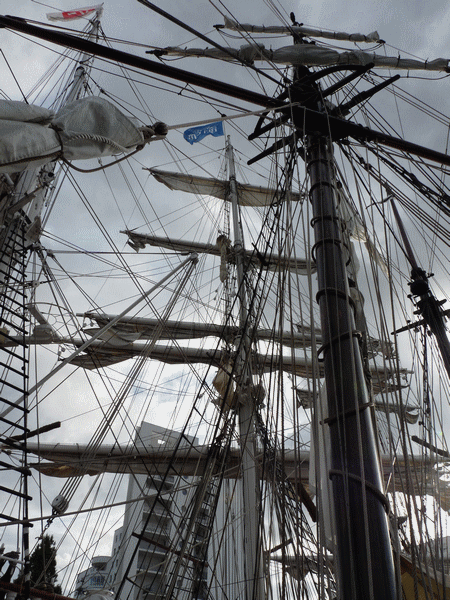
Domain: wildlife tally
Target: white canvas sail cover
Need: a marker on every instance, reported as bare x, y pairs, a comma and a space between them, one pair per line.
314, 56
248, 195
301, 30
69, 460
31, 136
305, 54
103, 355
271, 262
130, 329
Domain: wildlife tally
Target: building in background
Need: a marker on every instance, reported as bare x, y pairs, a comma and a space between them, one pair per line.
95, 578
158, 521
159, 512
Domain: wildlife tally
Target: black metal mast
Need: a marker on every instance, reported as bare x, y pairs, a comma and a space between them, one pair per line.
364, 558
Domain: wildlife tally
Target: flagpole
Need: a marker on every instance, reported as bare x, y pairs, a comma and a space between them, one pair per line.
231, 117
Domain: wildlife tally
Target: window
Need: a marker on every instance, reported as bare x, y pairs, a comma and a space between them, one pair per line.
97, 581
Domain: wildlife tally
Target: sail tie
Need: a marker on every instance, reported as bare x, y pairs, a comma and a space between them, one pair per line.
372, 488
338, 338
347, 413
335, 292
224, 245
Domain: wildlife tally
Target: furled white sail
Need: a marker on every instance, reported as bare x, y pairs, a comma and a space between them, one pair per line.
119, 345
301, 30
313, 56
102, 355
69, 460
271, 262
248, 195
88, 128
129, 329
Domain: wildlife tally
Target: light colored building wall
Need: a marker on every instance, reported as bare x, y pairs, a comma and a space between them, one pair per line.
151, 565
95, 578
143, 562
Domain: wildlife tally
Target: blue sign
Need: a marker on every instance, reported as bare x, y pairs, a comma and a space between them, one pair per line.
195, 134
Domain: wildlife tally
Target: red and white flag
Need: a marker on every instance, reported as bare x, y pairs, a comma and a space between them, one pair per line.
77, 13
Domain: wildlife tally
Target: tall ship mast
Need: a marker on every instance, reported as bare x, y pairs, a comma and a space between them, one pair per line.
226, 358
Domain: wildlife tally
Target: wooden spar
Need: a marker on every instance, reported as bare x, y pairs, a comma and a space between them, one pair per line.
357, 505
438, 451
305, 117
